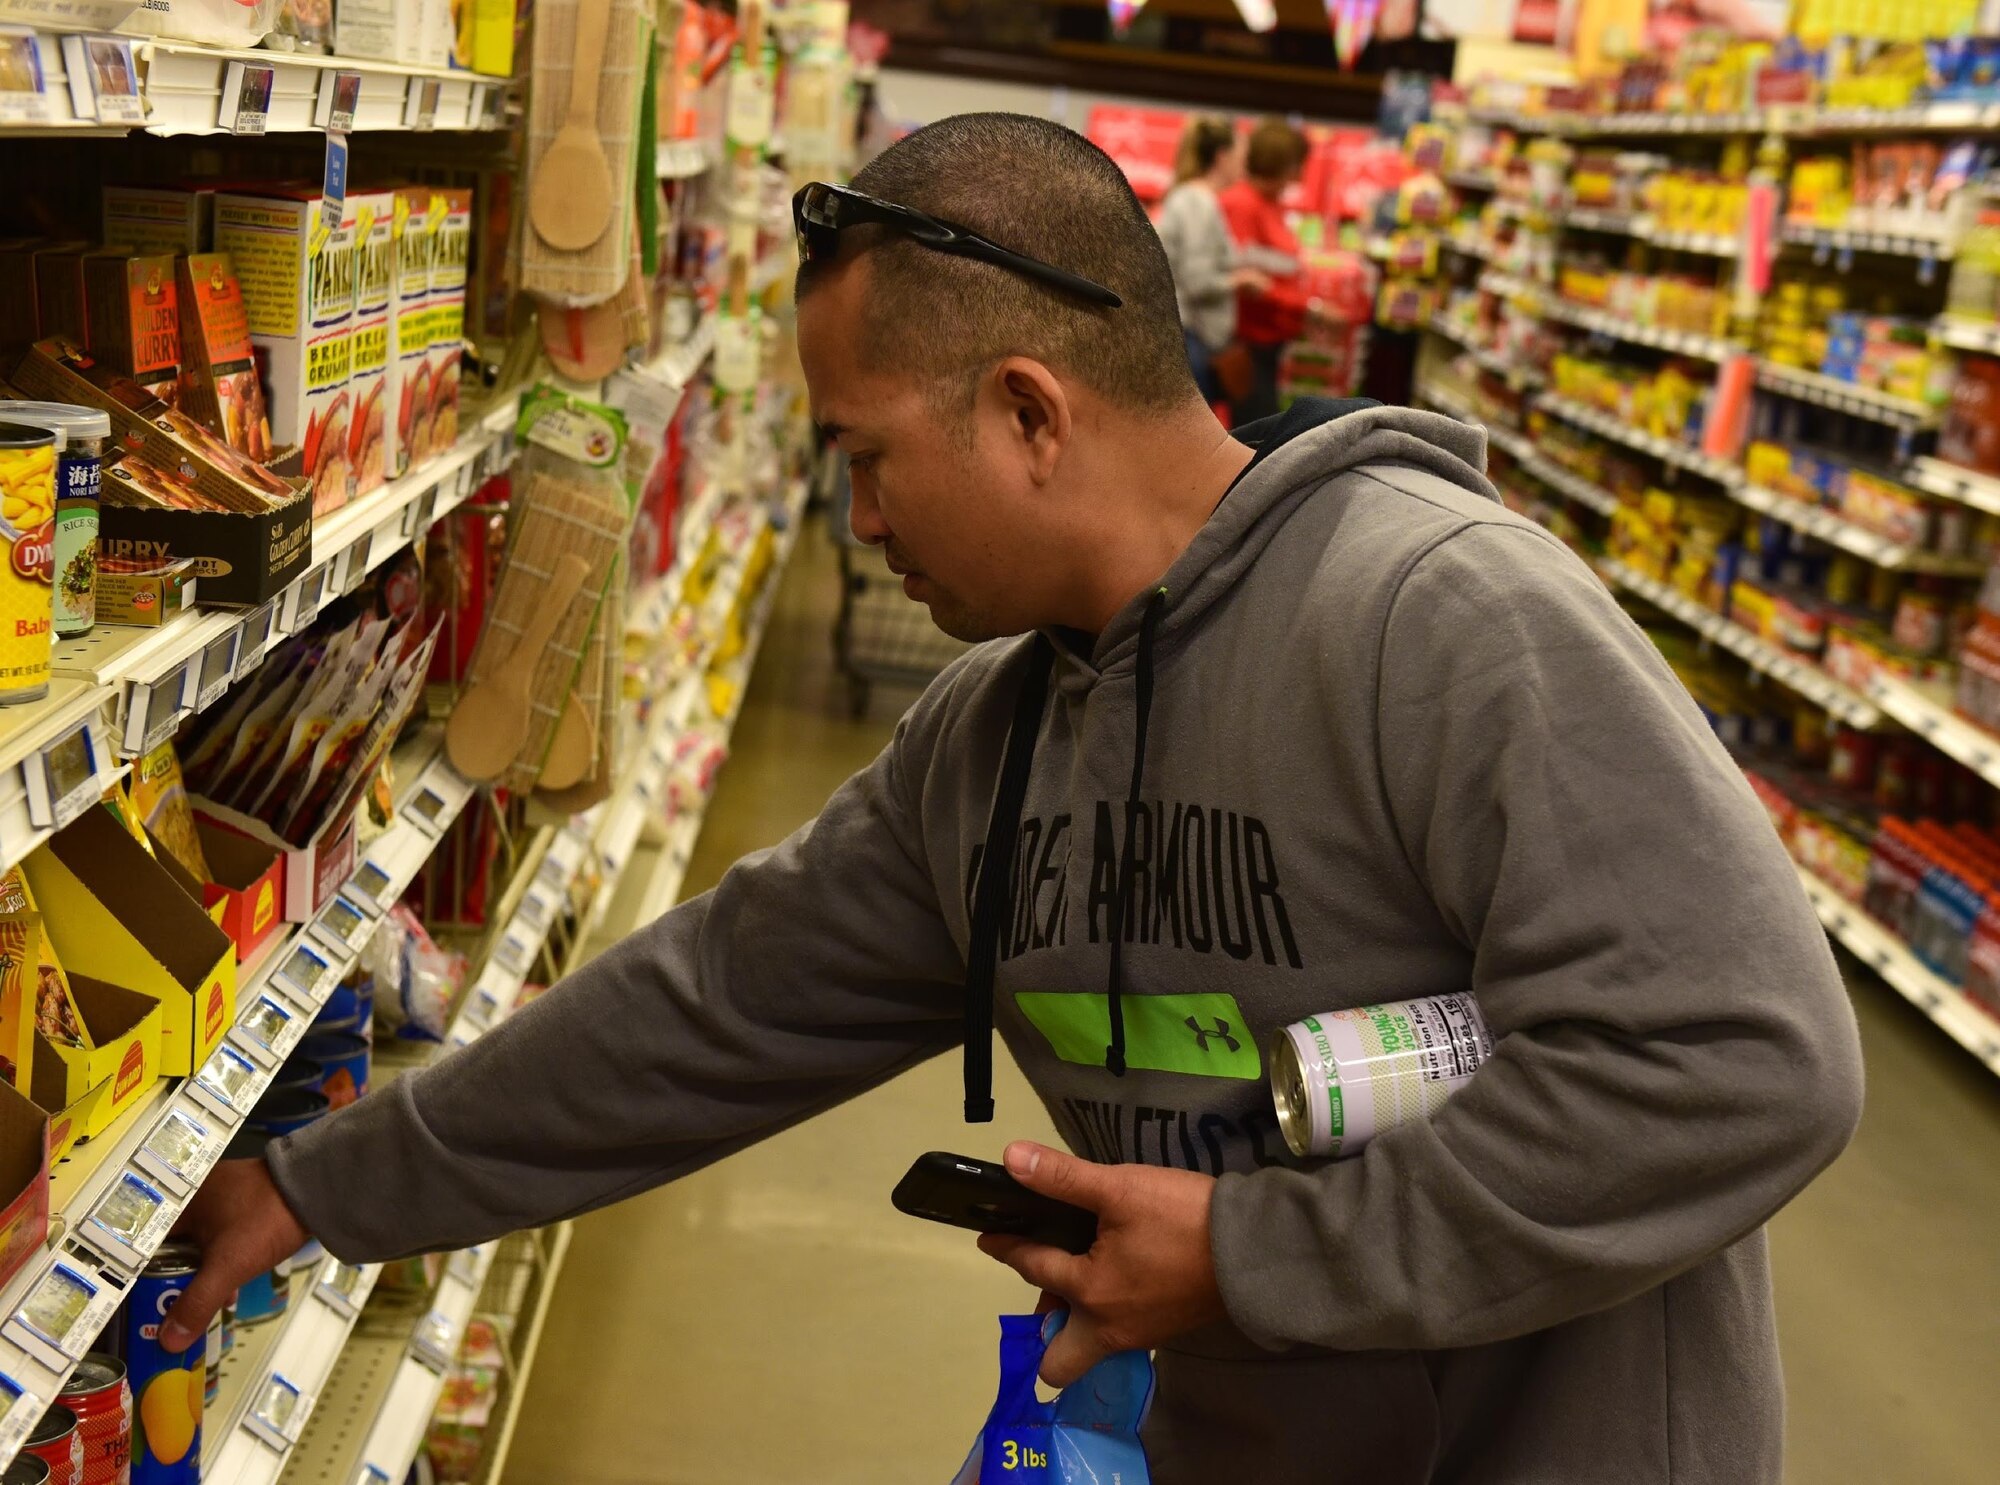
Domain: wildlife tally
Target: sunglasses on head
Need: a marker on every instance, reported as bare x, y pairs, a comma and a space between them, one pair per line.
820, 213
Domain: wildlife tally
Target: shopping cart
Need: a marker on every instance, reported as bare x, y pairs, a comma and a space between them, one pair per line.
880, 636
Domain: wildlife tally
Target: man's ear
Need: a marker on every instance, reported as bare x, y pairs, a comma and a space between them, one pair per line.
1038, 412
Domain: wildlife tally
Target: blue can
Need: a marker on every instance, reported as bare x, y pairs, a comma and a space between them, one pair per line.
284, 1111
168, 1391
351, 1007
299, 1072
344, 1055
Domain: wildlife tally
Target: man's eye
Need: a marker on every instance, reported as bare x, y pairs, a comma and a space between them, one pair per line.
862, 463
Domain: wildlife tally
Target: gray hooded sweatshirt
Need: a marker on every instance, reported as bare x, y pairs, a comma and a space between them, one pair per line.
1398, 741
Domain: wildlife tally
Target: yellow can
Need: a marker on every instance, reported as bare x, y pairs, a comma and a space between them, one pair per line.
27, 558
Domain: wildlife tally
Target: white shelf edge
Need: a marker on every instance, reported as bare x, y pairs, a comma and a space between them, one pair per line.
1857, 401
1619, 431
1966, 486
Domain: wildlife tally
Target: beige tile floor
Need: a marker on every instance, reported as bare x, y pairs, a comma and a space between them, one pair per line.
772, 1321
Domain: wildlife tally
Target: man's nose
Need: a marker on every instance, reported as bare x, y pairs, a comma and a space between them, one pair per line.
864, 518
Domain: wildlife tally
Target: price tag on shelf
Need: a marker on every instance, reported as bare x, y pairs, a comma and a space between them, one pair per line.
154, 711
339, 100
20, 1411
103, 80
270, 1030
279, 1413
129, 1222
245, 105
216, 670
480, 1008
429, 810
338, 1285
228, 1083
259, 629
370, 1475
464, 1266
62, 778
372, 885
486, 111
24, 97
179, 1152
434, 1342
62, 1315
304, 599
420, 104
307, 975
345, 924
514, 954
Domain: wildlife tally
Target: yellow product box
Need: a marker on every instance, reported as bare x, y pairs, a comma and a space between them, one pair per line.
445, 309
100, 1082
370, 221
492, 37
297, 275
1752, 607
119, 914
409, 324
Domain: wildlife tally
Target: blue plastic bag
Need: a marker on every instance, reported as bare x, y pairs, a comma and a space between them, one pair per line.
1088, 1436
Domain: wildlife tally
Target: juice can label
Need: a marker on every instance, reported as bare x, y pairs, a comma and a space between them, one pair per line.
168, 1391
27, 568
1342, 1077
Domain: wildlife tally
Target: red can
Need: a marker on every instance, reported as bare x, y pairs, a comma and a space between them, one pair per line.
58, 1443
97, 1393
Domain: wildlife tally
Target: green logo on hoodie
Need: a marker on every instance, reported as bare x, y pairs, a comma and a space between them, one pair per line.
1203, 1035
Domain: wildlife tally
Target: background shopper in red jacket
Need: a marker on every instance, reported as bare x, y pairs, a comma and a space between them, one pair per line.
1268, 317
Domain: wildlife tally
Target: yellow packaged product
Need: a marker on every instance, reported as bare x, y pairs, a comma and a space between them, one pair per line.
160, 799
23, 936
27, 558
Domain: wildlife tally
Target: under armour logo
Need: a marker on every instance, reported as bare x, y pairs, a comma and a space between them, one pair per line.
1220, 1031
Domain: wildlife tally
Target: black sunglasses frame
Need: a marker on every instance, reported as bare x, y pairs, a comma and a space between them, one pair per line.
821, 212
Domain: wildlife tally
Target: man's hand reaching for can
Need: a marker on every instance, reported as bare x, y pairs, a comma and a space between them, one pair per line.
243, 1227
1149, 1277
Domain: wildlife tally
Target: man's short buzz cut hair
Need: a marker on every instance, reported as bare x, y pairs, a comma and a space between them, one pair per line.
1036, 188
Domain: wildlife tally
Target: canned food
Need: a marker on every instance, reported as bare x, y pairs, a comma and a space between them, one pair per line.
58, 1443
285, 1111
299, 1072
79, 477
26, 1469
1342, 1077
211, 1371
168, 1391
97, 1394
351, 1007
27, 558
265, 1297
344, 1055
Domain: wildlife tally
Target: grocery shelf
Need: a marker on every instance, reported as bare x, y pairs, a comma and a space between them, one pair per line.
1472, 180
1637, 224
1786, 120
1800, 675
1521, 448
1861, 402
1968, 1023
1954, 482
1669, 450
56, 759
185, 87
155, 679
1682, 342
113, 1202
1967, 335
1491, 360
1867, 240
1871, 546
1591, 219
680, 159
1928, 712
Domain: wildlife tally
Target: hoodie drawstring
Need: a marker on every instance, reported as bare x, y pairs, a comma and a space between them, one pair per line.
1114, 1055
992, 895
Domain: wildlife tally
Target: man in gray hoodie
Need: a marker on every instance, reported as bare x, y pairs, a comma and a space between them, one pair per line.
1297, 721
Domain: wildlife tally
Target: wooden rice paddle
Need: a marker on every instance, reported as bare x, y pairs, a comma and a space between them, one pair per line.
587, 344
570, 203
573, 750
492, 721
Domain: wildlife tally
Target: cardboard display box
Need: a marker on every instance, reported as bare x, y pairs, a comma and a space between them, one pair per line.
133, 307
155, 219
118, 914
248, 888
313, 872
146, 598
92, 1086
256, 535
24, 1180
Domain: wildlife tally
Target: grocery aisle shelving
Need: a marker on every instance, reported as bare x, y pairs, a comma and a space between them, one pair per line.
374, 1387
1847, 397
1668, 450
1967, 335
1521, 449
1933, 245
1824, 525
185, 87
1968, 1023
1966, 486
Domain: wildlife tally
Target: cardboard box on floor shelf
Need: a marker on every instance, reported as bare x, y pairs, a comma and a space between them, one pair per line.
120, 914
219, 380
159, 219
24, 1180
133, 310
180, 491
298, 285
248, 886
371, 218
313, 871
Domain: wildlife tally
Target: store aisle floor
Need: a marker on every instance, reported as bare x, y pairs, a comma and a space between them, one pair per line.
772, 1321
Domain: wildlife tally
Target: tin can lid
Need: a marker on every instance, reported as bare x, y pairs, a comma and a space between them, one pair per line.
27, 1469
77, 422
174, 1258
93, 1374
28, 436
58, 1422
332, 1046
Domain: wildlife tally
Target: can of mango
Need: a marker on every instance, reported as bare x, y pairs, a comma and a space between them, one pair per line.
1342, 1077
27, 557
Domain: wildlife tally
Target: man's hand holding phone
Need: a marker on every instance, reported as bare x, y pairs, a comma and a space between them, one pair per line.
1149, 1277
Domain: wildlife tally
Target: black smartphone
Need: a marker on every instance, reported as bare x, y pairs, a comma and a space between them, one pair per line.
981, 1196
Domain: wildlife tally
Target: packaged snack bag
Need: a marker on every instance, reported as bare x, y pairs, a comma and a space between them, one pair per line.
1088, 1436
